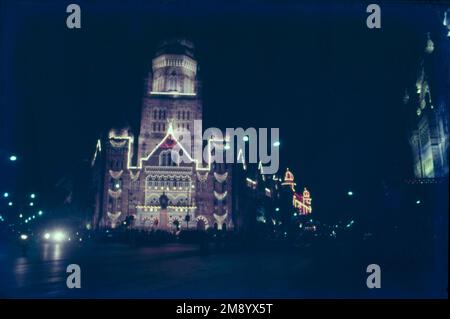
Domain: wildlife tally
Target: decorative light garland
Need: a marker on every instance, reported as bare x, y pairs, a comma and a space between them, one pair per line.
221, 177
199, 164
115, 175
114, 194
114, 216
157, 207
118, 144
202, 178
134, 176
220, 196
98, 149
204, 219
220, 219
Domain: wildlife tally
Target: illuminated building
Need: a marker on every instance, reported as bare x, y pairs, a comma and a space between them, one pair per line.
301, 202
131, 176
428, 108
268, 199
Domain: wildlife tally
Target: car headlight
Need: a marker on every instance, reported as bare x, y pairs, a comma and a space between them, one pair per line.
59, 236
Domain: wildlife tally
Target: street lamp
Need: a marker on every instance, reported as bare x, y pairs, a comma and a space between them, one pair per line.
5, 194
13, 158
245, 138
40, 213
350, 193
277, 144
418, 202
33, 195
10, 203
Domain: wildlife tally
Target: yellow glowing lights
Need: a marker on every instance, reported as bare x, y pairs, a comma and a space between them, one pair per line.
175, 93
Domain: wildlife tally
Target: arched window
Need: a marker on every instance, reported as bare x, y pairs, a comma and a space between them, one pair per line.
172, 82
165, 159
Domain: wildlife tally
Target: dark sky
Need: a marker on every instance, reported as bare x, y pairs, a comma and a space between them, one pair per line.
332, 86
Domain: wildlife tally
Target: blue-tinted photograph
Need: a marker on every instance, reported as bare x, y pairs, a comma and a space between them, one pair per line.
228, 150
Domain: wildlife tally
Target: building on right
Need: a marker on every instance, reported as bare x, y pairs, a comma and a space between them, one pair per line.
428, 108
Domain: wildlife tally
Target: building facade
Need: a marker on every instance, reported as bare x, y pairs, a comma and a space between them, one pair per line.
428, 109
155, 181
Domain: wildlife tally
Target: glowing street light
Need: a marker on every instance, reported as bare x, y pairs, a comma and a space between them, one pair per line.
31, 204
13, 158
245, 138
350, 193
227, 146
418, 202
33, 195
40, 213
10, 203
23, 237
5, 194
20, 216
277, 209
277, 144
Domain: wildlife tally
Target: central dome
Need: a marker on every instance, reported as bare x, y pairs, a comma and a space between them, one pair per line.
174, 68
176, 46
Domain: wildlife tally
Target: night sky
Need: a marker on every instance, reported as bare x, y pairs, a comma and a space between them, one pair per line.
332, 86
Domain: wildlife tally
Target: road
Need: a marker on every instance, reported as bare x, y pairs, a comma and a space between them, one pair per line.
182, 271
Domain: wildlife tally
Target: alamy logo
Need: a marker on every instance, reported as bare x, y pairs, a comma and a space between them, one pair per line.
74, 19
74, 279
374, 19
237, 146
374, 279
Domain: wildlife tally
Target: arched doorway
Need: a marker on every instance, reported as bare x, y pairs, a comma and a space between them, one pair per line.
201, 225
